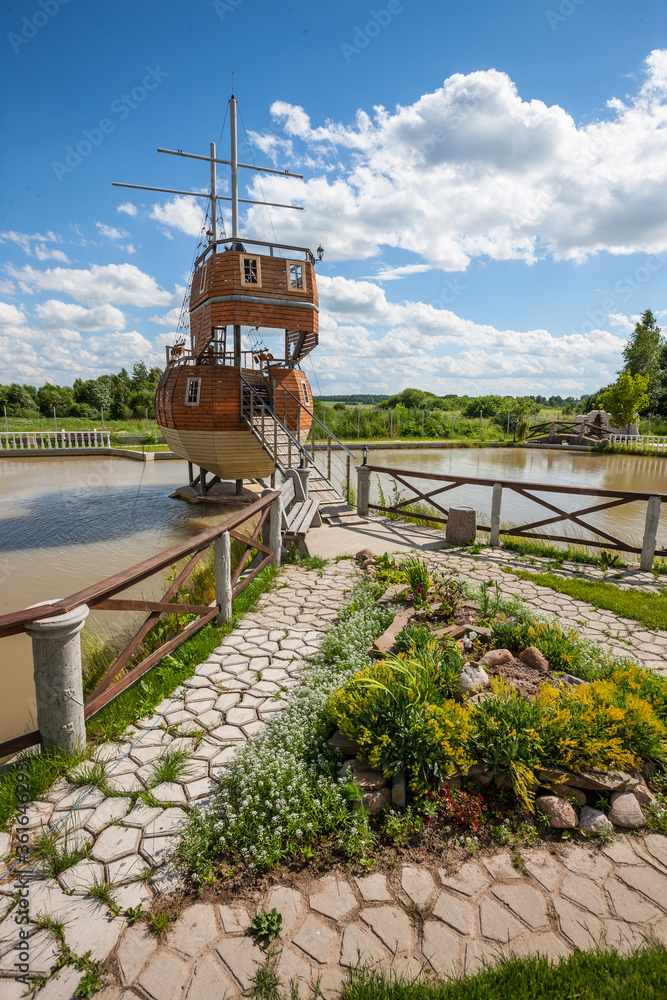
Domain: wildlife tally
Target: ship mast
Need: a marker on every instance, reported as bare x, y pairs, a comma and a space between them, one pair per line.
212, 195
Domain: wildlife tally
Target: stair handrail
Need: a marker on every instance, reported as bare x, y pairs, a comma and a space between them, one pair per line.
267, 409
315, 419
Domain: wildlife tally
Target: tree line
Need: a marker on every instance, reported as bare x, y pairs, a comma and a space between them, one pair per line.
120, 396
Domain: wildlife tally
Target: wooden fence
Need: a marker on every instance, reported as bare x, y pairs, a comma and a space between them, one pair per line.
53, 440
530, 491
103, 597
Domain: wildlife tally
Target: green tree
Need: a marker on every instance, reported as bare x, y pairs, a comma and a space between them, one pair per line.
625, 398
642, 355
60, 396
139, 375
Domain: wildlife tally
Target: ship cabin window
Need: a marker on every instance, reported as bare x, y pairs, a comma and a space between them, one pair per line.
250, 271
192, 392
304, 390
202, 278
296, 277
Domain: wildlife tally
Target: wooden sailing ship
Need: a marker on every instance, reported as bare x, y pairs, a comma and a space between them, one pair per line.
240, 413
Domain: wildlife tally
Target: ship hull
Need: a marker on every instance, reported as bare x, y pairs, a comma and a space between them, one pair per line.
198, 410
228, 454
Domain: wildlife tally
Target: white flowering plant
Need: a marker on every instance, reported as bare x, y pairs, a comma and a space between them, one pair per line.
281, 792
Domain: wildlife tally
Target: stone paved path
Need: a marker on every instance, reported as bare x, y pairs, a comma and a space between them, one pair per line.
433, 918
622, 635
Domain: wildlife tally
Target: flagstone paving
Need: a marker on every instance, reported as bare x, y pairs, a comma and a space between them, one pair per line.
431, 918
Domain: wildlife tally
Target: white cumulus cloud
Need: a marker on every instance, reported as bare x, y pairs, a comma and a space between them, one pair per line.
54, 313
473, 169
98, 285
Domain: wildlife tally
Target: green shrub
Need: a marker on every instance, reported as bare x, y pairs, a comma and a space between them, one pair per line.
506, 737
400, 713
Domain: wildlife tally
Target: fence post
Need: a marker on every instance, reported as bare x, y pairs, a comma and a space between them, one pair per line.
275, 530
222, 555
650, 533
496, 501
56, 657
363, 489
303, 472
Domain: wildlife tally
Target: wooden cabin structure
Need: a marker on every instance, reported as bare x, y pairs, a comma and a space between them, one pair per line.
202, 396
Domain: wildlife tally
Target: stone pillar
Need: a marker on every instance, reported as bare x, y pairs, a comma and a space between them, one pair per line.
496, 501
650, 533
363, 490
461, 526
303, 472
222, 557
56, 657
275, 530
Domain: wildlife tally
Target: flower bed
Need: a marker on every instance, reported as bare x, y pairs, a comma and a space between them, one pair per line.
554, 710
435, 766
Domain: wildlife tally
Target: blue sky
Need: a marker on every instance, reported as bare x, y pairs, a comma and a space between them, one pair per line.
488, 179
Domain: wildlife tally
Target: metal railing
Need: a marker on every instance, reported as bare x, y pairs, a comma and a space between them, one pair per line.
274, 437
327, 437
125, 671
53, 440
529, 491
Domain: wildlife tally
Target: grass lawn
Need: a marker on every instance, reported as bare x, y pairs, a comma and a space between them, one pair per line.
650, 610
595, 975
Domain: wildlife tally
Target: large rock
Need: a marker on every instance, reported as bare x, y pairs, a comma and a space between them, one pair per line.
642, 792
532, 657
367, 777
596, 781
494, 658
569, 680
593, 822
560, 813
569, 792
481, 774
625, 811
399, 791
374, 802
473, 678
347, 746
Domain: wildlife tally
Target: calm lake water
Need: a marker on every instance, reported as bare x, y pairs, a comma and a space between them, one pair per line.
68, 522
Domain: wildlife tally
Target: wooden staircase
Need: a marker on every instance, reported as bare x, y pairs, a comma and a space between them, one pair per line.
288, 453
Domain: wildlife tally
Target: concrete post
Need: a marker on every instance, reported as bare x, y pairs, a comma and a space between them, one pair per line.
363, 490
496, 501
461, 526
56, 657
298, 483
303, 474
650, 533
222, 556
275, 531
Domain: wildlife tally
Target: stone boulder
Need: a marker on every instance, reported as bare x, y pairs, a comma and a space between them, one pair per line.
625, 811
560, 813
473, 678
532, 657
495, 657
375, 801
595, 781
366, 777
593, 822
